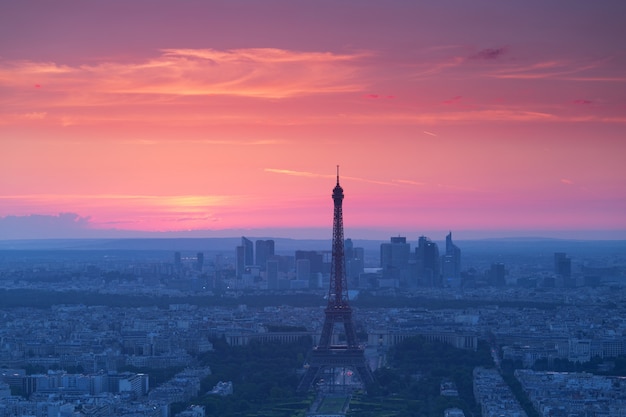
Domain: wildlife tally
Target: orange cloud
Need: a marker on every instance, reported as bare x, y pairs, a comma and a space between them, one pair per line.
563, 70
159, 212
261, 72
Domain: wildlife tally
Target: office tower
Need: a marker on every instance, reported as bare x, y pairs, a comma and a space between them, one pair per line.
272, 274
497, 275
394, 259
303, 269
355, 263
327, 356
315, 258
427, 263
348, 249
264, 252
562, 264
240, 265
244, 256
563, 269
451, 264
178, 262
199, 261
248, 251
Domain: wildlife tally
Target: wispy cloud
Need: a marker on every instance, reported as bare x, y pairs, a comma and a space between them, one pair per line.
435, 186
560, 69
453, 100
410, 182
437, 67
489, 53
215, 142
317, 175
298, 173
260, 72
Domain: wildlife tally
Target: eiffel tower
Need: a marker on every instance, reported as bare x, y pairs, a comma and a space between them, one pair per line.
327, 356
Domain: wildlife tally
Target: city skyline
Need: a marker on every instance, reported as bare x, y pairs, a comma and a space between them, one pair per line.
226, 119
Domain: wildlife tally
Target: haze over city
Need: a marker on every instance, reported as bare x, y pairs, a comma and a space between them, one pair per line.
209, 119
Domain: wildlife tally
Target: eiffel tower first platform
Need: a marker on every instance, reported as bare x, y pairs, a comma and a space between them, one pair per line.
327, 358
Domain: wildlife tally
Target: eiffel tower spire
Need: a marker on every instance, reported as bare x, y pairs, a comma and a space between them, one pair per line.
327, 355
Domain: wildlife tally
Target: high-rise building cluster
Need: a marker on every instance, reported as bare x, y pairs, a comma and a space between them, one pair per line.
258, 266
423, 267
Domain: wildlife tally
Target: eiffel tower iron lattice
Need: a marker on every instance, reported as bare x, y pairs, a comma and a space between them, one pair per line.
326, 355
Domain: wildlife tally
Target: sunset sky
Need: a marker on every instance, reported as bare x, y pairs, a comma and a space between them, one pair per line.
224, 118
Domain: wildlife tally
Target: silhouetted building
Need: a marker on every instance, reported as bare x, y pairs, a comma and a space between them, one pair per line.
355, 262
562, 264
315, 258
248, 251
348, 248
303, 269
394, 260
264, 252
199, 261
427, 263
451, 264
497, 275
272, 275
563, 269
244, 256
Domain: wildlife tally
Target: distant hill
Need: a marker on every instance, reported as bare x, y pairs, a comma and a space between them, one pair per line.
504, 246
157, 244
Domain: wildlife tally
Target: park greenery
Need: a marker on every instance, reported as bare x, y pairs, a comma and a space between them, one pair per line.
265, 377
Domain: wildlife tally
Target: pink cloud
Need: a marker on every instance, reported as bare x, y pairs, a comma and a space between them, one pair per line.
489, 53
377, 96
452, 100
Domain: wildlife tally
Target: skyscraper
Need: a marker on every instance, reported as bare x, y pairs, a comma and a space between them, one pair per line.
272, 274
248, 251
199, 261
497, 275
427, 260
316, 260
264, 252
178, 262
355, 263
563, 269
394, 259
451, 264
244, 256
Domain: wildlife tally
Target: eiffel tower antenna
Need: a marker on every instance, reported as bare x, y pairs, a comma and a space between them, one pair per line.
327, 356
